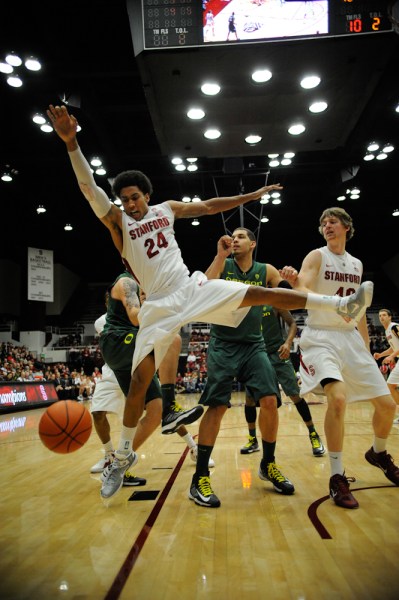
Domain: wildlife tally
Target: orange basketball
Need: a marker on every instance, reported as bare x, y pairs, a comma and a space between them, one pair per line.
65, 426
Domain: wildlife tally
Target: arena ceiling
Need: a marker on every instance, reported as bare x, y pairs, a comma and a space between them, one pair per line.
132, 109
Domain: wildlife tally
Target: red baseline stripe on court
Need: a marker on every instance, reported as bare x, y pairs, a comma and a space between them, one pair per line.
124, 572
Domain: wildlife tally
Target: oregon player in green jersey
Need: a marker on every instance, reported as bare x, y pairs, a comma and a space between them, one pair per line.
239, 352
278, 351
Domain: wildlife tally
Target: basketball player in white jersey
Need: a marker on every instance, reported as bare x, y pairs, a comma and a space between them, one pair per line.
391, 354
335, 352
145, 238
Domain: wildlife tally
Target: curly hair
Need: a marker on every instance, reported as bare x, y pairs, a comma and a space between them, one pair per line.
129, 178
340, 214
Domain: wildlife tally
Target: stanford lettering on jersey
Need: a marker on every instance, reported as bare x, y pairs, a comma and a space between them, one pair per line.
148, 227
333, 276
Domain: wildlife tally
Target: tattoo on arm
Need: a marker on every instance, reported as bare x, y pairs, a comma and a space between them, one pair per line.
129, 289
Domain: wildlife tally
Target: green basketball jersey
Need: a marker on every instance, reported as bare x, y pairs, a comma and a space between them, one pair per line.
249, 329
117, 318
271, 329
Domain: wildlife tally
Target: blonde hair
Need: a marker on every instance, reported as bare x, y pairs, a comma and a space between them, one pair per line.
340, 214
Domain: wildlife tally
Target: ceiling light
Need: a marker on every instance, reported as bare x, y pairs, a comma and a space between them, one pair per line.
272, 155
210, 89
14, 81
212, 134
355, 190
373, 146
186, 199
196, 198
96, 162
176, 161
276, 201
355, 196
101, 171
397, 108
276, 195
395, 212
6, 177
13, 59
296, 129
40, 209
264, 220
261, 76
318, 107
286, 161
274, 163
381, 156
32, 64
192, 167
46, 128
196, 113
180, 167
311, 81
195, 222
118, 201
265, 199
289, 154
68, 227
341, 198
388, 148
368, 157
5, 68
192, 160
38, 119
78, 128
253, 139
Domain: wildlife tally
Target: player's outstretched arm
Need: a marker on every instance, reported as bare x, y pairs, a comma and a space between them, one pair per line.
214, 206
65, 125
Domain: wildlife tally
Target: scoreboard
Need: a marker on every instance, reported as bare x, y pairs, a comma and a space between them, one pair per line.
185, 23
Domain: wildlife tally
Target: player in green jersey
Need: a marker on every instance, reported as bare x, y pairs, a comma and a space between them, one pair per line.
278, 351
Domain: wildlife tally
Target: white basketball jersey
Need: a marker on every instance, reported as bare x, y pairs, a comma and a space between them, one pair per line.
99, 324
150, 248
392, 338
339, 275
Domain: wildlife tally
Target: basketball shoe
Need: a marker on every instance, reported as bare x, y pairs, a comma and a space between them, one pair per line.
129, 480
317, 446
103, 463
201, 492
270, 472
383, 461
251, 446
340, 493
176, 416
194, 453
355, 305
112, 476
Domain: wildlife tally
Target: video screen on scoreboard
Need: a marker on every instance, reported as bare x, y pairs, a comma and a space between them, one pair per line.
234, 20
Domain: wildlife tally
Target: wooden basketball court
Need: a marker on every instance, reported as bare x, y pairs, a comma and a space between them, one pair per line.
59, 540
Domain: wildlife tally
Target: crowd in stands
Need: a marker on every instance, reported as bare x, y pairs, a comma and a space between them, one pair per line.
72, 383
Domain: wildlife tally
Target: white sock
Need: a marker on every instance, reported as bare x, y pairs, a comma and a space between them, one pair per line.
318, 301
336, 463
189, 440
126, 440
108, 448
379, 444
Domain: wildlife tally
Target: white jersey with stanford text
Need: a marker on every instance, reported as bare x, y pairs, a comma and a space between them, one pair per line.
391, 336
150, 248
339, 275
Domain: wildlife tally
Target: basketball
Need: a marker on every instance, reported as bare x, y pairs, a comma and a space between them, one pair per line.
65, 426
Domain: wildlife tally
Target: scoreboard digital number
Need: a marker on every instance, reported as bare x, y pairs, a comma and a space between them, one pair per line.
172, 23
188, 23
